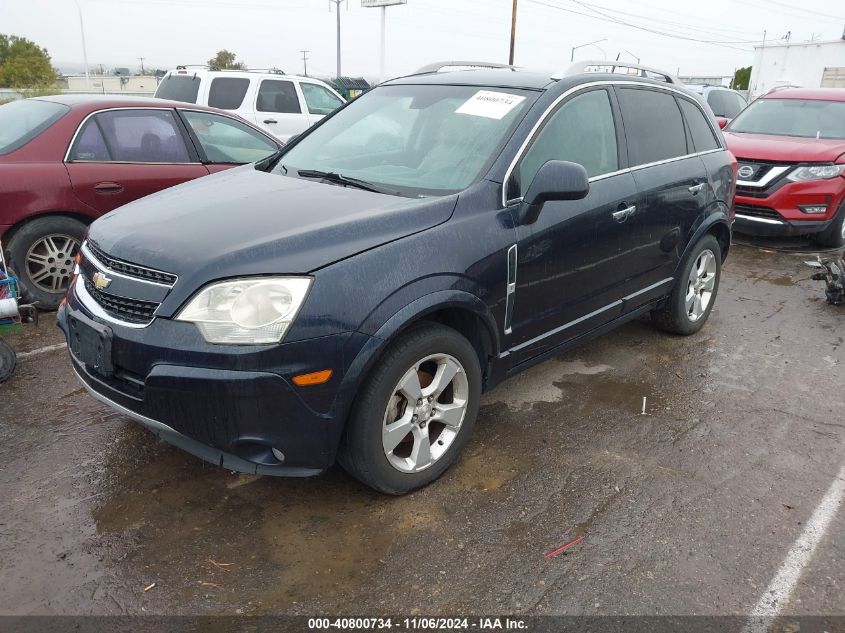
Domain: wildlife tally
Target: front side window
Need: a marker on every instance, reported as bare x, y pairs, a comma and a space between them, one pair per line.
702, 134
653, 126
581, 131
413, 139
131, 136
319, 100
225, 140
21, 121
227, 93
275, 95
807, 118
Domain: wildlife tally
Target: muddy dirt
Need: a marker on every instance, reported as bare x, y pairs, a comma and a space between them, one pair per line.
681, 507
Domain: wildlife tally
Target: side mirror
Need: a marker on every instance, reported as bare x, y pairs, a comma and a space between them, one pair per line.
722, 121
556, 180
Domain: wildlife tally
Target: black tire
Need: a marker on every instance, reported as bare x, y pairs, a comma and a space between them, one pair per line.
30, 234
834, 235
8, 360
674, 316
362, 453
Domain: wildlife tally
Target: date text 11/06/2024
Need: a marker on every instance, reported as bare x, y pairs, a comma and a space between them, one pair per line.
417, 624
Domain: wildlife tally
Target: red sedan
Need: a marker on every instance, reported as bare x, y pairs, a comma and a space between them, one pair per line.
66, 160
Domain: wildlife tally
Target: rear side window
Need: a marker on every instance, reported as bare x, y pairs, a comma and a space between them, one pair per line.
653, 126
131, 136
318, 99
725, 103
179, 88
581, 131
227, 93
702, 134
21, 121
275, 95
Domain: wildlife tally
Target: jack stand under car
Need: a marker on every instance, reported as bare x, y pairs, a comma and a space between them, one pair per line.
12, 317
832, 272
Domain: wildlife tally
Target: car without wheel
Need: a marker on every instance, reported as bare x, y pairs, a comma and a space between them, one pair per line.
351, 298
66, 160
790, 145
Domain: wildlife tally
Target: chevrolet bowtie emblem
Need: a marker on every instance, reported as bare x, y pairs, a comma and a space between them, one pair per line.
101, 281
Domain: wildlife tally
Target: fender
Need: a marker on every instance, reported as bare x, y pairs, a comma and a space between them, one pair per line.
412, 312
718, 216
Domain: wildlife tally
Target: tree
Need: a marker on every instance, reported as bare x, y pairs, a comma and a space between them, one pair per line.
742, 77
24, 64
225, 60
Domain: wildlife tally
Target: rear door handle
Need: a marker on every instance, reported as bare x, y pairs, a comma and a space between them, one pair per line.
268, 121
696, 188
108, 187
624, 214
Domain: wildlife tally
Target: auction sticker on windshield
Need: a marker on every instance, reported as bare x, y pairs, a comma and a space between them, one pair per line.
493, 105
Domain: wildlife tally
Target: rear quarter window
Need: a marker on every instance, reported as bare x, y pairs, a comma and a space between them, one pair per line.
654, 128
227, 93
179, 88
21, 121
702, 134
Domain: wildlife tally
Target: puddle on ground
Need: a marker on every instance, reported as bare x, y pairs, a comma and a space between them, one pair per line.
776, 280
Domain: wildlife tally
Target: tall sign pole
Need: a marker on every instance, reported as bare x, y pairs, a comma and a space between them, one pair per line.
513, 32
337, 6
382, 4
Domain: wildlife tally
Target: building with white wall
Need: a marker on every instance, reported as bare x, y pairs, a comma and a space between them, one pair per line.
805, 64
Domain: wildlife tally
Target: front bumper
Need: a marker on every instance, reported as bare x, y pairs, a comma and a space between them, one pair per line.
776, 209
229, 405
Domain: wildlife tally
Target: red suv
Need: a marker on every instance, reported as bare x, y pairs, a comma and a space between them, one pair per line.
790, 146
66, 160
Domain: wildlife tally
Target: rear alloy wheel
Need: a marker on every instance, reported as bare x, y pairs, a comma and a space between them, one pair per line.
42, 252
415, 412
688, 307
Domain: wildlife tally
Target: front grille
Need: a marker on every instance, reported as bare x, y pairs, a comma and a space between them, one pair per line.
123, 308
131, 270
758, 212
752, 192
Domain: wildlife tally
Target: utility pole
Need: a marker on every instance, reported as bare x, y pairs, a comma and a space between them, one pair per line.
513, 32
84, 49
305, 61
142, 64
337, 6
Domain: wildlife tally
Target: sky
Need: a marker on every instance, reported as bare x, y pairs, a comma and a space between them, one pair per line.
681, 36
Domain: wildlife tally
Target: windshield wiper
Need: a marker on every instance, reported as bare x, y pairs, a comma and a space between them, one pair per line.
340, 179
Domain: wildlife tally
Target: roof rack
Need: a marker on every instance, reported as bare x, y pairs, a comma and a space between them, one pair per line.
269, 71
437, 66
617, 67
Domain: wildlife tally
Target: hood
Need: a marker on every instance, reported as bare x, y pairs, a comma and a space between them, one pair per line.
246, 222
784, 148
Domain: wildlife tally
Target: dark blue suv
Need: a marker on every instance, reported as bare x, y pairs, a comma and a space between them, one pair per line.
351, 297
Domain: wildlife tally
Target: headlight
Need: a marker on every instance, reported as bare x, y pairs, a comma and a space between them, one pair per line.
252, 311
815, 172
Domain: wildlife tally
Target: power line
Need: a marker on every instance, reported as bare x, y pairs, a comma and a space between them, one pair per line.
805, 10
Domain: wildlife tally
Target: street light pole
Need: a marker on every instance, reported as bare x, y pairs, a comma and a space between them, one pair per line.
383, 44
574, 48
84, 49
513, 32
337, 6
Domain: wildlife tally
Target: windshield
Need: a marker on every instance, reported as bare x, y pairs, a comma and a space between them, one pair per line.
179, 88
415, 140
21, 121
806, 118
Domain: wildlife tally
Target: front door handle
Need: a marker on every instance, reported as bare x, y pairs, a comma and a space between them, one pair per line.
108, 187
696, 188
624, 214
269, 121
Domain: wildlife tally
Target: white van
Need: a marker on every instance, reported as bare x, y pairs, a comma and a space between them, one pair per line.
283, 105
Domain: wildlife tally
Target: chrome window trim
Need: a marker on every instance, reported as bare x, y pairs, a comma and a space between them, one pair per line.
94, 308
103, 267
533, 133
773, 173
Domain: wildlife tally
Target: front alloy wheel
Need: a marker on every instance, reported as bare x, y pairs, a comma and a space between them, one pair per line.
414, 413
425, 413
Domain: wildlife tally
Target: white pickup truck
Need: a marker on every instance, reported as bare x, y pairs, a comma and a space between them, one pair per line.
283, 105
